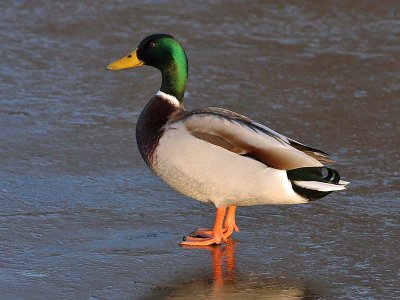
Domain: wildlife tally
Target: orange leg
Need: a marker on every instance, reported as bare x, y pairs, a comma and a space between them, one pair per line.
217, 233
230, 225
230, 222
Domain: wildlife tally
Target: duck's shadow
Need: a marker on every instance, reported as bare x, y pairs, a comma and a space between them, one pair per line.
226, 282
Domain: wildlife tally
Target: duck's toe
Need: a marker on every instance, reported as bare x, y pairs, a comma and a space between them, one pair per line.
203, 241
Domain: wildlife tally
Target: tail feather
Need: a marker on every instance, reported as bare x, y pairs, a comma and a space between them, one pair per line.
313, 152
320, 186
312, 184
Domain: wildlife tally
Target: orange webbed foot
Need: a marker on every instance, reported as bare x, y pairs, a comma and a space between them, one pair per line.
205, 236
229, 230
203, 241
205, 232
216, 236
202, 232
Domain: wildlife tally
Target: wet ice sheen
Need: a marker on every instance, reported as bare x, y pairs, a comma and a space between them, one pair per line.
82, 217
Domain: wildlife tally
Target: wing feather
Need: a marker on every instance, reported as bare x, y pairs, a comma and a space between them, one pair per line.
241, 135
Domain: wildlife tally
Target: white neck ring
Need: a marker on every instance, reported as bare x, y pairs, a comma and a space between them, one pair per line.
169, 98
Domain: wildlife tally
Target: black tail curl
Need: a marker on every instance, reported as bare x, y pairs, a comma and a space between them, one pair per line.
321, 174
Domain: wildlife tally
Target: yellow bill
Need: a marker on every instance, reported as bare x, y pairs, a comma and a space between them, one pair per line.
129, 61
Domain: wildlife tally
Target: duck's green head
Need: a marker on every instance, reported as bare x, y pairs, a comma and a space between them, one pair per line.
165, 53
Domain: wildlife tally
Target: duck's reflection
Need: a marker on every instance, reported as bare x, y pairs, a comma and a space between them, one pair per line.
228, 284
221, 254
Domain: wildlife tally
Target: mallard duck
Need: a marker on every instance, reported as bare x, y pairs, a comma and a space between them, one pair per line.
218, 156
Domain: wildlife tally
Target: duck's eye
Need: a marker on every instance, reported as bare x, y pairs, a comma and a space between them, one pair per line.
152, 45
130, 55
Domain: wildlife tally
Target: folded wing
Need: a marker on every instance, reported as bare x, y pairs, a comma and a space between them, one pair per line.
243, 136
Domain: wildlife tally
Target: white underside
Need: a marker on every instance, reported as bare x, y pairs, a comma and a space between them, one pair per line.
209, 173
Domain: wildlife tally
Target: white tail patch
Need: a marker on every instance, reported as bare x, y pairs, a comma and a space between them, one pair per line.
342, 182
319, 186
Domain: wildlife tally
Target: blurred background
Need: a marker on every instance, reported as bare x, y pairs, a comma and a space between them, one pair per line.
81, 215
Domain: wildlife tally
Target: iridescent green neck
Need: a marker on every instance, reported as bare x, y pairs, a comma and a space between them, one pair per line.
175, 74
